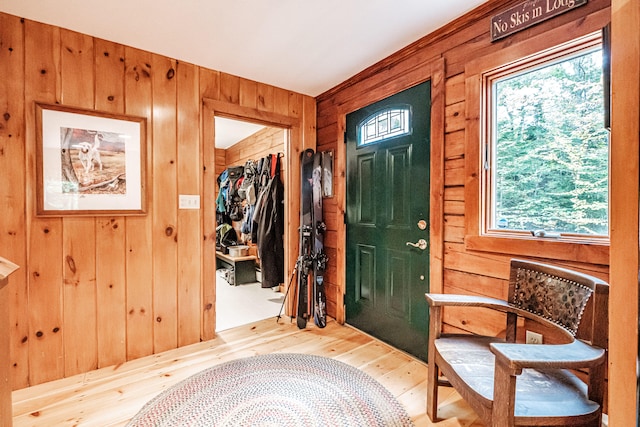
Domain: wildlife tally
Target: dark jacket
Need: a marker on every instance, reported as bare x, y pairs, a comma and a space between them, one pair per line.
269, 215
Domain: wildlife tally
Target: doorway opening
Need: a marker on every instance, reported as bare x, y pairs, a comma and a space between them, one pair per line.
244, 291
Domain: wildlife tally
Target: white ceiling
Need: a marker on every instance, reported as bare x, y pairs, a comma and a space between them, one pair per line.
229, 131
301, 45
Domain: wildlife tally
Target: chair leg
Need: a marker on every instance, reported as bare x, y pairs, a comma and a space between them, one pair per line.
432, 391
435, 328
504, 396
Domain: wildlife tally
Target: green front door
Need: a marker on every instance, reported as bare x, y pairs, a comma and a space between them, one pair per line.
388, 219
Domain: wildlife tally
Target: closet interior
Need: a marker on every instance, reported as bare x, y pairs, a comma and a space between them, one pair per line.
250, 170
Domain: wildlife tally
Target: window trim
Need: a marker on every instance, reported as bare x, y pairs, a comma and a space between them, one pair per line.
535, 51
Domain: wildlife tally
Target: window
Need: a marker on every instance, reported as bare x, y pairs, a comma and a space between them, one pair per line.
384, 124
546, 150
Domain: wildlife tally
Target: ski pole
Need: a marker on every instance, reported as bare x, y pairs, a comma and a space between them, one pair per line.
295, 268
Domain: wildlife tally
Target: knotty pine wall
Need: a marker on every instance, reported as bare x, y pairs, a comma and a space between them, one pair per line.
456, 267
97, 291
262, 143
625, 167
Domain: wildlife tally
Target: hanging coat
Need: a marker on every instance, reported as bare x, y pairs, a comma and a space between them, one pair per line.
269, 216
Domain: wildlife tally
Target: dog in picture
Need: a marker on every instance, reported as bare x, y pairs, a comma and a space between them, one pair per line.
89, 155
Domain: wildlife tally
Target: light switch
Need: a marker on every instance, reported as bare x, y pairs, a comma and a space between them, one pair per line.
189, 201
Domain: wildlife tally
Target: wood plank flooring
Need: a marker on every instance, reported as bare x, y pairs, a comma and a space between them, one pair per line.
113, 395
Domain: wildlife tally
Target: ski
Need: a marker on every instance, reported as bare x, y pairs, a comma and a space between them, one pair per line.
305, 257
319, 257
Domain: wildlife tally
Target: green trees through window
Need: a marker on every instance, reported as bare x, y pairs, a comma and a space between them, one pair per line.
549, 151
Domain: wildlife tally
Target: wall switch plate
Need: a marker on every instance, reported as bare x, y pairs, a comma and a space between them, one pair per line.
189, 201
533, 337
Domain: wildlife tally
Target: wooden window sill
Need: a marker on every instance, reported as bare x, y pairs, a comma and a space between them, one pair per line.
585, 252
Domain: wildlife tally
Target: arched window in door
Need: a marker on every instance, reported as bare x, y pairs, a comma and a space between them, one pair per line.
385, 124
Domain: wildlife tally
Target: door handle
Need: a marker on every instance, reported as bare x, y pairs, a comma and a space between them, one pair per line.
420, 244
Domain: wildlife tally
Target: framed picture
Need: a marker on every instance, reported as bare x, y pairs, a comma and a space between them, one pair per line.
89, 163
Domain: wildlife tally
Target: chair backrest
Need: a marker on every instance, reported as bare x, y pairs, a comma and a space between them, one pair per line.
563, 297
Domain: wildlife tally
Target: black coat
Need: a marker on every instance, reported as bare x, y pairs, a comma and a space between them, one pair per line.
269, 215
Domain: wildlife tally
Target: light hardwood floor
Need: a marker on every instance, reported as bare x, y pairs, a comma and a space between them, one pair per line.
112, 395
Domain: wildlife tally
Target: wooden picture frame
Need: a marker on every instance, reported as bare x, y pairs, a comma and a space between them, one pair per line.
89, 163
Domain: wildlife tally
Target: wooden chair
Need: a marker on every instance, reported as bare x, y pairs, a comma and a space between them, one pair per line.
508, 383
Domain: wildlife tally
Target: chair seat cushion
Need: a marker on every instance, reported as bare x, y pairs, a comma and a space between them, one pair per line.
552, 392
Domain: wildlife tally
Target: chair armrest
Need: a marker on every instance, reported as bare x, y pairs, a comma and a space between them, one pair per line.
551, 356
441, 300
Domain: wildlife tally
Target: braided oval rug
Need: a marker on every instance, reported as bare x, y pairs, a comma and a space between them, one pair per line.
275, 390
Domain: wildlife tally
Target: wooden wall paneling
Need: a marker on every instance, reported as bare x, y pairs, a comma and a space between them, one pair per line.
265, 97
77, 69
46, 353
475, 320
292, 211
477, 35
454, 145
295, 105
454, 193
13, 239
270, 140
100, 288
77, 80
6, 408
624, 214
476, 284
209, 89
221, 161
437, 175
111, 290
281, 101
454, 91
79, 303
110, 231
209, 83
139, 236
453, 233
301, 137
454, 172
164, 184
481, 263
454, 207
308, 108
334, 220
209, 193
339, 195
109, 70
472, 154
229, 88
248, 93
455, 117
189, 223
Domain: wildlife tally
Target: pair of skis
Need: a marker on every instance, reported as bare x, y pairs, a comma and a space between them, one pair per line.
312, 261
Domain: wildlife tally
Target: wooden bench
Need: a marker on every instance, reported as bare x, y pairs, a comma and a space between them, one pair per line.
243, 267
511, 383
